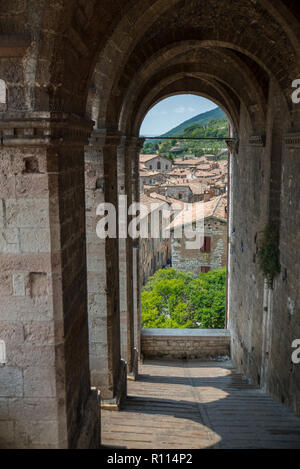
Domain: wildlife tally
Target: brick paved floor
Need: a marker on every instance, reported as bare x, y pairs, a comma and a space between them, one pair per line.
191, 404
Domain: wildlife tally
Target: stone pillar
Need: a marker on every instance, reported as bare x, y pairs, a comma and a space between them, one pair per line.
125, 260
127, 186
45, 394
137, 285
108, 371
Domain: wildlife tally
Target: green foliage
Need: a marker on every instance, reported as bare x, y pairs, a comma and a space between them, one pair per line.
216, 128
212, 128
201, 119
176, 299
269, 253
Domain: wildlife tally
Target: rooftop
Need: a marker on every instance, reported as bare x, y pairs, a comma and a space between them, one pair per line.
215, 207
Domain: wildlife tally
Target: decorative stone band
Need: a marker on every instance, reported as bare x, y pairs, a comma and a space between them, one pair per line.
292, 140
43, 128
107, 137
257, 140
232, 145
135, 143
14, 45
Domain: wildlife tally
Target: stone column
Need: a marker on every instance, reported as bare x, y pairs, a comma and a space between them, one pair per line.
46, 399
108, 371
136, 245
128, 279
125, 262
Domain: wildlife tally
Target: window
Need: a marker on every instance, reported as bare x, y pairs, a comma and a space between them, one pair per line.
205, 269
206, 244
167, 166
150, 167
158, 165
180, 196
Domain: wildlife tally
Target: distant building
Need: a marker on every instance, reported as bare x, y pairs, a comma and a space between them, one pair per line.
155, 252
213, 253
148, 177
156, 162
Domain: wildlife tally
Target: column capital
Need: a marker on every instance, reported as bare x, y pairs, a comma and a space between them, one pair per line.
292, 140
105, 138
232, 145
257, 140
35, 128
135, 143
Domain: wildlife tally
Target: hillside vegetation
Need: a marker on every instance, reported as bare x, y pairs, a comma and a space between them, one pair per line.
210, 124
201, 119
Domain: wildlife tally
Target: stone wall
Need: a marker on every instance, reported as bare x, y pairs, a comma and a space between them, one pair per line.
155, 252
46, 401
180, 192
193, 259
263, 321
185, 343
153, 164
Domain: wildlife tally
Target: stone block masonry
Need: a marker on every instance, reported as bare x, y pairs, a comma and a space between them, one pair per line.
185, 343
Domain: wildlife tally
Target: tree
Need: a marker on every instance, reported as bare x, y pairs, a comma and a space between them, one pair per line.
176, 299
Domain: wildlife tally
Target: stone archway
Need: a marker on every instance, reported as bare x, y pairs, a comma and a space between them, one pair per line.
66, 64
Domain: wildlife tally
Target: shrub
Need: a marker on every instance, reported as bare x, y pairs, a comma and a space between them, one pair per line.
176, 299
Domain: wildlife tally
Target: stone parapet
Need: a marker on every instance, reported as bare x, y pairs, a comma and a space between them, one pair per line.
185, 343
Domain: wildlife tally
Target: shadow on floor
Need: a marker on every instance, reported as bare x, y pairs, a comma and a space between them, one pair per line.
199, 405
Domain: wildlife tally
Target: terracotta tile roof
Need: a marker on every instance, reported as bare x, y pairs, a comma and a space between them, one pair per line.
151, 203
180, 161
145, 158
215, 207
167, 199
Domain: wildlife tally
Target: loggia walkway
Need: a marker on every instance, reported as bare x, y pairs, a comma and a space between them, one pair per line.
191, 404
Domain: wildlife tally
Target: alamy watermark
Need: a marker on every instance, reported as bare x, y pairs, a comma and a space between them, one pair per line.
296, 93
296, 353
157, 220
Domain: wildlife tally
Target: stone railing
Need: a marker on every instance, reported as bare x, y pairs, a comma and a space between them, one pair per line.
185, 343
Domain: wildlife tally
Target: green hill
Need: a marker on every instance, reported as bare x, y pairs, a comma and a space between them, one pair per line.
209, 124
201, 119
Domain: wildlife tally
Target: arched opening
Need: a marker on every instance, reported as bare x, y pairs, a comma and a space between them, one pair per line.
197, 180
77, 79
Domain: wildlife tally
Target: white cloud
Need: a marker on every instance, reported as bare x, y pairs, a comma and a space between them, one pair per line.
179, 109
155, 112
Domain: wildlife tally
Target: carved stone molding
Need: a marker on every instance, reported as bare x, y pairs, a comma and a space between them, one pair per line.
257, 140
105, 137
292, 140
43, 128
14, 45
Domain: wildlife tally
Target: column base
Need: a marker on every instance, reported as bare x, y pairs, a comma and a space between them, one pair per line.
90, 431
121, 391
133, 375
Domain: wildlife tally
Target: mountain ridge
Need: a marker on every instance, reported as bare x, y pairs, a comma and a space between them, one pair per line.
201, 119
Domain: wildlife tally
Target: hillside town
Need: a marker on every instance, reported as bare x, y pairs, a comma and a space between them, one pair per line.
187, 183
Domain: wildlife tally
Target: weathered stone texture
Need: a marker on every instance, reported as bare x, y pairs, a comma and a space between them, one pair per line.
63, 61
193, 259
185, 344
46, 344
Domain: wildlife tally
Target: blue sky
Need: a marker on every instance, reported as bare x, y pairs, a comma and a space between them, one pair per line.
172, 111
